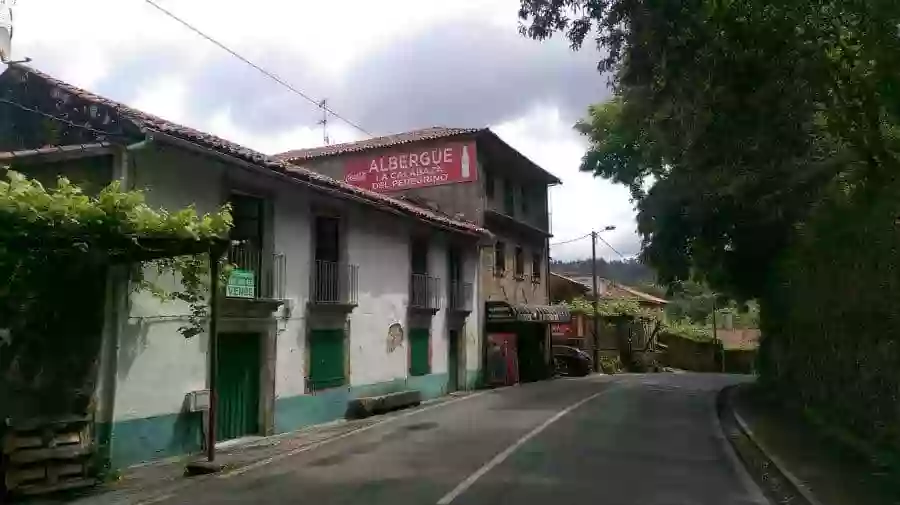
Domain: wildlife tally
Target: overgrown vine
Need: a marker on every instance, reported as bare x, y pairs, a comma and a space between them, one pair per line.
63, 221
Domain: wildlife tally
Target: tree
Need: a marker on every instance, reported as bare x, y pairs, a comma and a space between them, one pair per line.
732, 118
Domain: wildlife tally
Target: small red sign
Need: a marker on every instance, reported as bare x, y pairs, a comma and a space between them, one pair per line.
414, 167
561, 329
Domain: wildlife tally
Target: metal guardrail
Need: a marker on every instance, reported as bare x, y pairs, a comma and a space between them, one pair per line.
460, 296
424, 292
335, 283
269, 270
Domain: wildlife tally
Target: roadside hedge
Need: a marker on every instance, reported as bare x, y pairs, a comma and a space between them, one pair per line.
831, 318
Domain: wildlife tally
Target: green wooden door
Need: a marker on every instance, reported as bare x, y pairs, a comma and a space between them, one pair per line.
419, 359
326, 359
238, 385
453, 361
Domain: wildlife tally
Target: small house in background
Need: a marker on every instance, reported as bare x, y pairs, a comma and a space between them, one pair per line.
580, 331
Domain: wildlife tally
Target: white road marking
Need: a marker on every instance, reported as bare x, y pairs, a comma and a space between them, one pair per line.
500, 458
315, 445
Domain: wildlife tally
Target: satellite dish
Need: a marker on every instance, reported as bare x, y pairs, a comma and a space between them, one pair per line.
6, 29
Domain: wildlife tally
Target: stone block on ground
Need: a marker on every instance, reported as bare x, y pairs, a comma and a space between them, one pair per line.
371, 405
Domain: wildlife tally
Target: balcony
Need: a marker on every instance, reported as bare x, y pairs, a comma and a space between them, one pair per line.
255, 275
424, 293
335, 284
460, 296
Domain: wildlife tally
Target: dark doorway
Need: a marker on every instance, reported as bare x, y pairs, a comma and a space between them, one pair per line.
453, 361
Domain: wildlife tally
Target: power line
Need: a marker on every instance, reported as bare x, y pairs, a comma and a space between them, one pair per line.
270, 75
611, 247
572, 240
61, 120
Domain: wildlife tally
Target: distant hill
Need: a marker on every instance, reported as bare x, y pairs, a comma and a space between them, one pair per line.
631, 272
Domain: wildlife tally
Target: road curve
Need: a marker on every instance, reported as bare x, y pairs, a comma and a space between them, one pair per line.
611, 440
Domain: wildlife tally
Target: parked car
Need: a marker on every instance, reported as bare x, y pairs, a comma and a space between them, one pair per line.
572, 361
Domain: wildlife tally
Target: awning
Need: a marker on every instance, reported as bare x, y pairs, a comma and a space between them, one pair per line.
503, 312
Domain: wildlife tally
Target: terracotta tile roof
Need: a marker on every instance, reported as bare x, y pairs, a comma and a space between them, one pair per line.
150, 123
65, 149
644, 296
435, 132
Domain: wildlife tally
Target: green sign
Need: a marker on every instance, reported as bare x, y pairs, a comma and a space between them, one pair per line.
241, 284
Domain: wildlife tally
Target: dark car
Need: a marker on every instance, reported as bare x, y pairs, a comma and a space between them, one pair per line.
571, 361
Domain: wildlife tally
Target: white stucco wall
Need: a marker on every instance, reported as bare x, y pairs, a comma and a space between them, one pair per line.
474, 329
380, 245
156, 366
293, 238
439, 267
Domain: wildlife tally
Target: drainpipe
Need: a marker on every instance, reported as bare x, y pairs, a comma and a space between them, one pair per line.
117, 305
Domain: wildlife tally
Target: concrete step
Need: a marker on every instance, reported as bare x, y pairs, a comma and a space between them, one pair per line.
371, 405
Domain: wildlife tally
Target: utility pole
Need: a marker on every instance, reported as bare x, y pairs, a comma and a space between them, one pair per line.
715, 335
596, 300
594, 235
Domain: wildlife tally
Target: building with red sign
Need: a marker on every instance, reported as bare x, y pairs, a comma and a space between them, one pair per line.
473, 175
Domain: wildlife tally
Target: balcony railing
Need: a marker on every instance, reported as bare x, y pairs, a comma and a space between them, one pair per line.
460, 296
256, 275
424, 292
335, 283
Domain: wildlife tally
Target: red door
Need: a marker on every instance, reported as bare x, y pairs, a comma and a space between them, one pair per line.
503, 359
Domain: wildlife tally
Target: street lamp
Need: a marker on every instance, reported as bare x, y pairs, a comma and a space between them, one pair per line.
594, 235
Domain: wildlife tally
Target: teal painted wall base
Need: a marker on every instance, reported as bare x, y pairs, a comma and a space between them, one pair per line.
473, 380
139, 440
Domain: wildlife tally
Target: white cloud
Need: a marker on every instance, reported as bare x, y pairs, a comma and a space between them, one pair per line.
103, 42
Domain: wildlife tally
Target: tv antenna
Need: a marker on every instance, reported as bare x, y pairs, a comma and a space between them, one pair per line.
324, 121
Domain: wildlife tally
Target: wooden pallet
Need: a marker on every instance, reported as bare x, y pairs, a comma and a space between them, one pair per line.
47, 455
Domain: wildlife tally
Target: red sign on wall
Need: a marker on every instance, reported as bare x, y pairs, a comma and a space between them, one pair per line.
414, 167
562, 330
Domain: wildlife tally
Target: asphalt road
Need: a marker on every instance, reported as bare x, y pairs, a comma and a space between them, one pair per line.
623, 440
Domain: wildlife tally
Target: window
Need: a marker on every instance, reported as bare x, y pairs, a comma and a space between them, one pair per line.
419, 352
499, 259
419, 256
326, 359
247, 219
509, 199
248, 229
519, 263
524, 195
328, 273
536, 267
454, 260
327, 236
489, 185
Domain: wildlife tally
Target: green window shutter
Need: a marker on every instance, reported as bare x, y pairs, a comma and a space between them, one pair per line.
326, 359
419, 343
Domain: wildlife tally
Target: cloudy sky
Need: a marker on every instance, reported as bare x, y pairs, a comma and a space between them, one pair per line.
390, 66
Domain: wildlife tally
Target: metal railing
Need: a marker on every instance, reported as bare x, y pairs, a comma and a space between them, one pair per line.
335, 283
424, 292
460, 296
268, 269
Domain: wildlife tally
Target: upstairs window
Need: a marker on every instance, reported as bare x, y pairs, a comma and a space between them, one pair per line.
524, 196
509, 199
499, 259
327, 234
419, 256
519, 263
536, 267
489, 185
